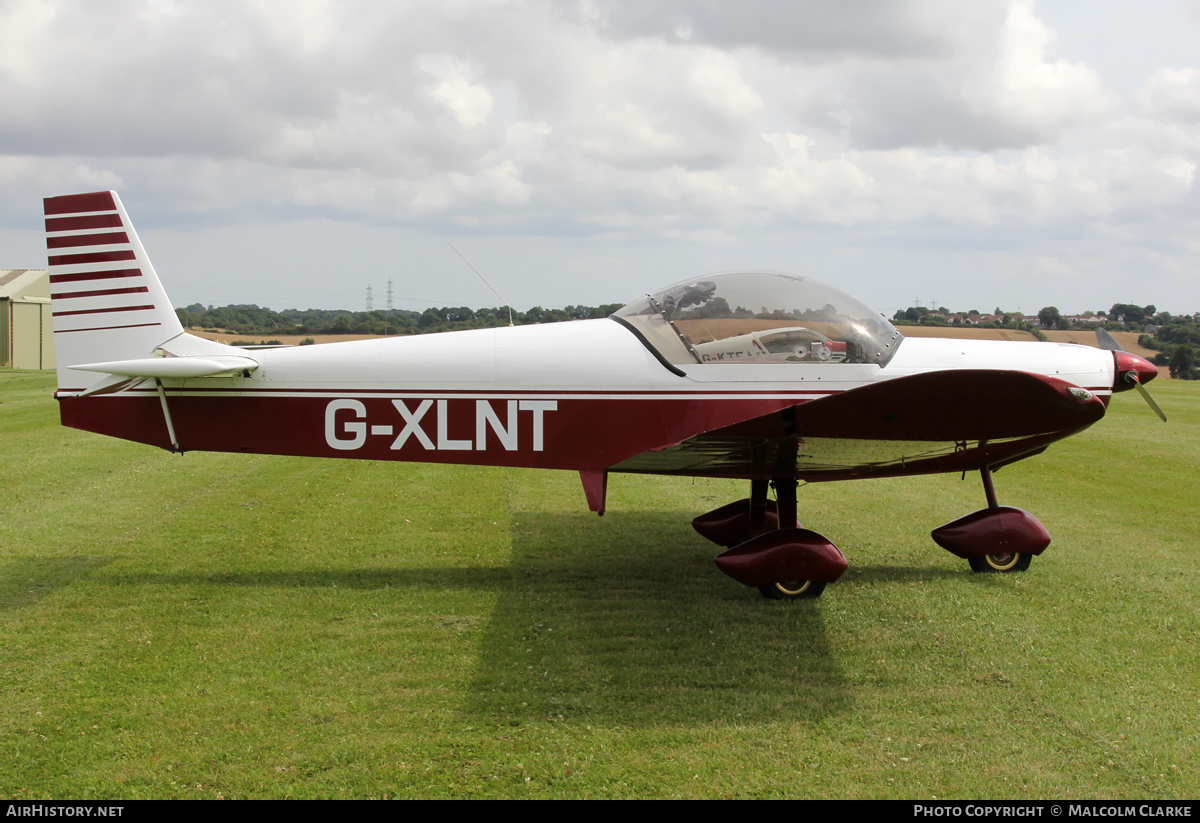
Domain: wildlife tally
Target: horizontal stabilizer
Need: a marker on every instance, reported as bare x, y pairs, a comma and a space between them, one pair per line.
178, 367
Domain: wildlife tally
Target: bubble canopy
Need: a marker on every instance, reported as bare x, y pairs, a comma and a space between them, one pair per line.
759, 317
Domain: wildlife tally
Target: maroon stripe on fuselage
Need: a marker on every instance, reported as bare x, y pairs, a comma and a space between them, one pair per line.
590, 434
72, 203
90, 221
74, 240
94, 257
110, 274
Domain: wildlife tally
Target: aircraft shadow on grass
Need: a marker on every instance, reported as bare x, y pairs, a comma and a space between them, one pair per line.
590, 622
622, 624
27, 580
628, 625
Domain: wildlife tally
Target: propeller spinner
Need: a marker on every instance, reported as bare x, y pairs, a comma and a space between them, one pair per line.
1133, 372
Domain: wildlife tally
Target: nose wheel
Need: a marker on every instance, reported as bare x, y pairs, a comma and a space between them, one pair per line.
998, 539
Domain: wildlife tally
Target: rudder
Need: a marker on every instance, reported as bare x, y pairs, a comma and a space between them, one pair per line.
107, 302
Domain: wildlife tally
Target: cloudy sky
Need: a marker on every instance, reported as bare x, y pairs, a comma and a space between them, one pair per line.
983, 153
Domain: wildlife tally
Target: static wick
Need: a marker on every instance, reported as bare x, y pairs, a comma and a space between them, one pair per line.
485, 282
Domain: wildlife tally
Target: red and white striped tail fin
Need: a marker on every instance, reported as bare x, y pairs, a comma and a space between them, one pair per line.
107, 302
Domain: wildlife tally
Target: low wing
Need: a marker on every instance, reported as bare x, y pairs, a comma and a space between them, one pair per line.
924, 423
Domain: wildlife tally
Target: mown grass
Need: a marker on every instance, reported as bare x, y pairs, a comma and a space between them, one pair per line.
243, 626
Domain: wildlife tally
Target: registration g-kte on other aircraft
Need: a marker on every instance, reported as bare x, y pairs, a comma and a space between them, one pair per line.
764, 377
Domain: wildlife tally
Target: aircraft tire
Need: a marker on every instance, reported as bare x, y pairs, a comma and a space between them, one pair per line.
1001, 563
792, 590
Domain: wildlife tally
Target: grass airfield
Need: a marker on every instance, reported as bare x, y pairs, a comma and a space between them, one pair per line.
241, 626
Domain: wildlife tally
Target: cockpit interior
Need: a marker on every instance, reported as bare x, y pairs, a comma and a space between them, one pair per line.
759, 317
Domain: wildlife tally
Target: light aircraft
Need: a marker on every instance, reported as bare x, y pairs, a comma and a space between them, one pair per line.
759, 376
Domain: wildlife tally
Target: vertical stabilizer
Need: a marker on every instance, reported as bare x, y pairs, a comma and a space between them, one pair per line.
107, 302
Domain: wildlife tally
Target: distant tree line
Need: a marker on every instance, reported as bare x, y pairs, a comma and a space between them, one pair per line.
1176, 339
249, 319
921, 316
1121, 317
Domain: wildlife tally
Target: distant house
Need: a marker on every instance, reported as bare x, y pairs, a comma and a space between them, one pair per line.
26, 331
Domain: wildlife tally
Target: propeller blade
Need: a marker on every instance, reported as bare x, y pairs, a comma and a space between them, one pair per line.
1150, 400
1106, 341
1146, 396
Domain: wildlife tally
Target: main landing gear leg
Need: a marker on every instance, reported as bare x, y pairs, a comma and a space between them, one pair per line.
996, 539
788, 563
785, 500
758, 507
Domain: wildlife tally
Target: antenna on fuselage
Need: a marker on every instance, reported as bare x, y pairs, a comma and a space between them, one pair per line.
485, 282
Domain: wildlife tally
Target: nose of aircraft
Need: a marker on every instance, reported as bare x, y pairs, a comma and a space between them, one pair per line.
1132, 370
